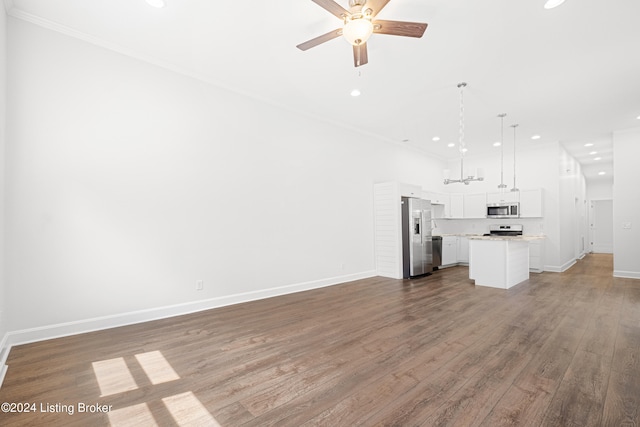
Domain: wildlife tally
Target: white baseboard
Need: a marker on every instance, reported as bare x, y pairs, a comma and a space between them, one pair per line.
561, 268
105, 322
3, 372
602, 249
4, 353
626, 274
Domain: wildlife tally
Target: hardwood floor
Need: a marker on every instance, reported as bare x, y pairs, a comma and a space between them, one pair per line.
557, 350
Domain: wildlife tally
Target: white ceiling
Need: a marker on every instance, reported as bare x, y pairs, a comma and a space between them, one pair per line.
569, 74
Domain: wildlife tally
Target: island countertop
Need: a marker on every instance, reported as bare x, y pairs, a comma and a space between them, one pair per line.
524, 238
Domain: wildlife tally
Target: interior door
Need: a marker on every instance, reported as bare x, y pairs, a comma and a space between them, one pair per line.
601, 226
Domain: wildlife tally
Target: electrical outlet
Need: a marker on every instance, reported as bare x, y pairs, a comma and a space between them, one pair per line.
199, 285
626, 225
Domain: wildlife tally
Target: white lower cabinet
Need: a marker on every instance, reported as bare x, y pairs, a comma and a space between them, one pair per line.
463, 249
455, 250
449, 250
536, 258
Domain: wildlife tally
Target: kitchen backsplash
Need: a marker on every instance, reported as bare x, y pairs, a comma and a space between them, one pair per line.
481, 226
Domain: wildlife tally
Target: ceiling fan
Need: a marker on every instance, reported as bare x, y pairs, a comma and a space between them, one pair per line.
359, 24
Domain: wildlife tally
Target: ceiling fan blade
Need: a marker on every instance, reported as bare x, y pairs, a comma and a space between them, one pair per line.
399, 28
376, 6
332, 7
320, 39
360, 55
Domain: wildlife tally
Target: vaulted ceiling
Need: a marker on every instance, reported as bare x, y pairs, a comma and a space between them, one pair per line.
567, 74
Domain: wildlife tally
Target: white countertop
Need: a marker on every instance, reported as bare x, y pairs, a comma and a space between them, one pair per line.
525, 238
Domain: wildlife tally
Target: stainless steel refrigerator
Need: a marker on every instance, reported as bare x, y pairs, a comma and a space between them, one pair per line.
417, 246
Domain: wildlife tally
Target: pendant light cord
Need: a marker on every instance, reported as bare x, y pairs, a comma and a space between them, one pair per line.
514, 158
502, 185
461, 131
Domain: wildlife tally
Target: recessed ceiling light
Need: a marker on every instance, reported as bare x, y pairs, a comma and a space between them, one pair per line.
588, 144
451, 145
534, 137
550, 4
638, 117
355, 92
156, 3
436, 138
597, 158
464, 150
602, 173
593, 152
497, 144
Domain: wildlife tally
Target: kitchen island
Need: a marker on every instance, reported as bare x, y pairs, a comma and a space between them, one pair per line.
499, 261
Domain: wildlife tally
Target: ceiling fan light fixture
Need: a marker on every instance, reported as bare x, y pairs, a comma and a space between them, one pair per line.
357, 31
550, 4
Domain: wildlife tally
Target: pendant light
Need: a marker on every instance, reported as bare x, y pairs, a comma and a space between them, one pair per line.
502, 185
461, 146
514, 158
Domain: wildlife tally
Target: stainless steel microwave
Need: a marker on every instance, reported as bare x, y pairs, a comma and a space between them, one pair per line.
503, 210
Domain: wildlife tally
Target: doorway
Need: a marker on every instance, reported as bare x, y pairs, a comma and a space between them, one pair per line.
601, 226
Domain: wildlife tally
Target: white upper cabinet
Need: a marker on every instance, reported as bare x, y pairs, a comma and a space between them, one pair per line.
408, 190
456, 206
439, 204
438, 198
475, 205
531, 205
506, 197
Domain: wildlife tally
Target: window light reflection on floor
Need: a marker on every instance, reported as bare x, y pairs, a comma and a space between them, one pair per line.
156, 367
187, 410
113, 376
132, 416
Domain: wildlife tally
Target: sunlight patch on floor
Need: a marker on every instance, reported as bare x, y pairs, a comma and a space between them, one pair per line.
132, 416
187, 410
113, 376
156, 367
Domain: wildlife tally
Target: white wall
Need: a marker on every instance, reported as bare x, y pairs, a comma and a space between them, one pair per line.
626, 203
3, 91
573, 210
127, 183
600, 189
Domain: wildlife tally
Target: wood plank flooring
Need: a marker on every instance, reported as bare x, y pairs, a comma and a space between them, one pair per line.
557, 350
